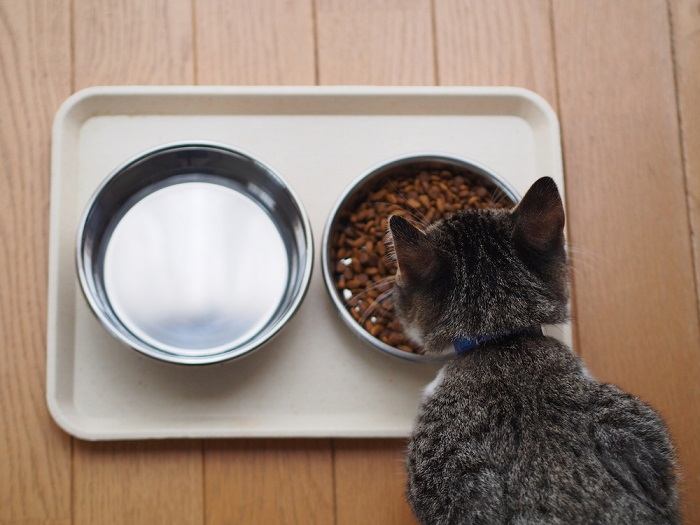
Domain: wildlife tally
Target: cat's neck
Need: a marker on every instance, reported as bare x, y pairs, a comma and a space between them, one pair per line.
463, 346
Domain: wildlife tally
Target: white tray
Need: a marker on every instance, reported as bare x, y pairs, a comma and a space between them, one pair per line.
315, 378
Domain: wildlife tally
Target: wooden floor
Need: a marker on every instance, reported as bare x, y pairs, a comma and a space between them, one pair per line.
624, 77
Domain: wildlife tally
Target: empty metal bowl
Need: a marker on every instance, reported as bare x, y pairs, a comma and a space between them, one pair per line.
194, 253
358, 190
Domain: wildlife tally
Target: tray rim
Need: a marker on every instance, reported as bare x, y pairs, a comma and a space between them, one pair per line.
82, 95
61, 416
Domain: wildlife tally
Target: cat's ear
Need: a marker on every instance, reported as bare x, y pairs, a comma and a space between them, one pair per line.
539, 218
414, 253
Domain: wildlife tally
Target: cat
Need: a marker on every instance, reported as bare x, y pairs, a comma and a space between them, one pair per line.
514, 430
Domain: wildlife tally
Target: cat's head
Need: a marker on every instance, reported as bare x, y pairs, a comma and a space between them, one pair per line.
482, 272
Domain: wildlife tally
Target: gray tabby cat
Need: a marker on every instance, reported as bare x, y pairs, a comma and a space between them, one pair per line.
514, 430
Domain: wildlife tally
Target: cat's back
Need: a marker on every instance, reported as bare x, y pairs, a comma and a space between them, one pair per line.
519, 434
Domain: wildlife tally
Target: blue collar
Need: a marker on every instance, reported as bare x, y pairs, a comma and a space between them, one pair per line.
464, 345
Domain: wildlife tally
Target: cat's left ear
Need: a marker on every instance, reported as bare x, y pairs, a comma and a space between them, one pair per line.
414, 253
539, 218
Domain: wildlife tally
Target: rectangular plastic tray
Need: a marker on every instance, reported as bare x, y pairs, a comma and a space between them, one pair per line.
315, 379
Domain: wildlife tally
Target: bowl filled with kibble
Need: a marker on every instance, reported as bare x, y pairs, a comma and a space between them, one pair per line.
357, 271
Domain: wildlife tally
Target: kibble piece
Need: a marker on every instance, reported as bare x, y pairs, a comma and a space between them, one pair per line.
481, 191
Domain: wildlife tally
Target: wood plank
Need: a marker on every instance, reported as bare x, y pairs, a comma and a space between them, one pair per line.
501, 42
375, 42
269, 481
35, 76
471, 50
685, 28
118, 42
370, 482
133, 42
637, 310
261, 42
262, 481
147, 482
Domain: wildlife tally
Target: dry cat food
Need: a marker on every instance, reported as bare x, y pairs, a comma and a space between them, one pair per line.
363, 274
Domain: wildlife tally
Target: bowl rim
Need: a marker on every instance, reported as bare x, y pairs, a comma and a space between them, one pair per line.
476, 167
226, 355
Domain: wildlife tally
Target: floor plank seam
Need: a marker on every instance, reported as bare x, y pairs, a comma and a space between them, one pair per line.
71, 499
314, 27
335, 485
71, 35
195, 65
204, 481
71, 29
684, 166
557, 102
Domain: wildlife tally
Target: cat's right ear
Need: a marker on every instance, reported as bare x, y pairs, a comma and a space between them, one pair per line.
414, 254
539, 218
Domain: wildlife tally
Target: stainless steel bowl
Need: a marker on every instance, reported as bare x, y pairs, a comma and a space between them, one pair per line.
356, 191
194, 253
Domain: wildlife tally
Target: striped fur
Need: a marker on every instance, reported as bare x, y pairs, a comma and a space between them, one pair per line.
516, 431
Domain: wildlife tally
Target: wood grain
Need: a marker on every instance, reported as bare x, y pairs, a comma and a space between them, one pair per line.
138, 483
262, 481
637, 311
370, 482
375, 42
495, 42
685, 28
133, 42
35, 73
635, 295
269, 481
261, 42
